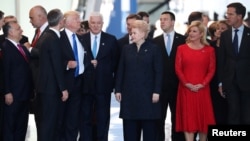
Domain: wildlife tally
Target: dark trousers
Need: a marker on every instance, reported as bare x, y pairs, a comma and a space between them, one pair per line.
168, 98
71, 114
1, 116
16, 118
238, 105
50, 127
132, 130
219, 104
102, 113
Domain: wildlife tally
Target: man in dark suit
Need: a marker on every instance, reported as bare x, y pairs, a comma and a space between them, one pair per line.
100, 66
73, 56
234, 62
126, 39
24, 40
51, 88
17, 84
170, 80
38, 19
1, 77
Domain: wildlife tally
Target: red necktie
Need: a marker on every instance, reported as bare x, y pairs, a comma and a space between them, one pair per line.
33, 44
22, 52
0, 53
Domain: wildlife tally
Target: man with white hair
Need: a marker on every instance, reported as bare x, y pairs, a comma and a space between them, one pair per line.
100, 66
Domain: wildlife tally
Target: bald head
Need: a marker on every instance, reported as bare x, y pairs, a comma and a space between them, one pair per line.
38, 16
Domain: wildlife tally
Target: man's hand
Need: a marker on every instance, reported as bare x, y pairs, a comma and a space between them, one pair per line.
155, 97
65, 95
118, 97
72, 64
94, 63
9, 98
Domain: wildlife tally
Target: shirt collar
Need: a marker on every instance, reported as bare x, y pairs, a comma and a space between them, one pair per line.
93, 35
12, 41
241, 28
170, 33
56, 31
43, 27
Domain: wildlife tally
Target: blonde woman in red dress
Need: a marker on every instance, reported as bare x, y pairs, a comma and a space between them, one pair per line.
195, 67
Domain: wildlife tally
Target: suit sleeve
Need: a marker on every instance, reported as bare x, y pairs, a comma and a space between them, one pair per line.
120, 73
7, 69
221, 56
56, 58
115, 54
158, 70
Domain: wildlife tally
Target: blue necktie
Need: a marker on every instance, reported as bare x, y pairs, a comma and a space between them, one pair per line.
235, 41
168, 44
75, 54
94, 51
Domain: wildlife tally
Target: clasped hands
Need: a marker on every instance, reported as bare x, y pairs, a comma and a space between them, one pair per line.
155, 97
194, 88
94, 63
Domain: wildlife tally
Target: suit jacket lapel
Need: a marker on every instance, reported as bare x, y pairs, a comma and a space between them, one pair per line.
162, 45
88, 45
230, 41
15, 49
101, 46
66, 43
245, 39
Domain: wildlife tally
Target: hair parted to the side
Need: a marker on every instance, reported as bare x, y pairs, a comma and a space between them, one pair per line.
142, 26
95, 14
201, 27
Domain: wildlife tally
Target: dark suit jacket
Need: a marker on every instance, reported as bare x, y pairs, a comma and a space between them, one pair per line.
231, 65
123, 41
169, 75
34, 61
1, 65
51, 68
17, 73
139, 75
68, 55
100, 79
2, 39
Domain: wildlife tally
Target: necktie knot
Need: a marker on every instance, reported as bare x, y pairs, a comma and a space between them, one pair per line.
38, 31
94, 50
37, 35
19, 46
74, 37
235, 41
75, 54
168, 44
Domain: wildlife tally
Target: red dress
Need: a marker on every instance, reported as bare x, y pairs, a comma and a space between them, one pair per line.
194, 111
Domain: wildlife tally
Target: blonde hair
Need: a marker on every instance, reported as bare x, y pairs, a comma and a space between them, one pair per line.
202, 30
142, 26
69, 14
